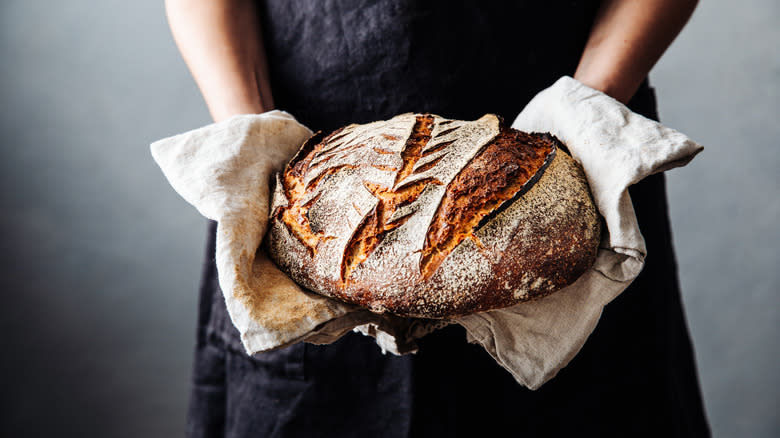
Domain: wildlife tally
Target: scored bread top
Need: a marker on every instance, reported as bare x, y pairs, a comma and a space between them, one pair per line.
369, 213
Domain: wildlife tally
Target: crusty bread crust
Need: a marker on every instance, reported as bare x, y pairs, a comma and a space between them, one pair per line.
430, 217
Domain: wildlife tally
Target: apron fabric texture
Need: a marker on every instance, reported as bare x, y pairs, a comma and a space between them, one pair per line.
338, 62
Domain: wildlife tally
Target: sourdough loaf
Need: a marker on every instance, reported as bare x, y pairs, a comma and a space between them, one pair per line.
431, 217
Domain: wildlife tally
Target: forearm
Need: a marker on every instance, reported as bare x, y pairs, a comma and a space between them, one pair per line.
221, 43
627, 39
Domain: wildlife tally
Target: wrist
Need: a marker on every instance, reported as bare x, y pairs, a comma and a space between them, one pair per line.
227, 105
226, 111
619, 88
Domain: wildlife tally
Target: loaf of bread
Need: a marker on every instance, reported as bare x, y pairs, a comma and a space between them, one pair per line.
430, 217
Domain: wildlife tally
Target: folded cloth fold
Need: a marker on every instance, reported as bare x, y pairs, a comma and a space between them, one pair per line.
225, 169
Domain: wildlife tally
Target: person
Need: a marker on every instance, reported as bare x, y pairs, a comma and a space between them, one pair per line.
335, 62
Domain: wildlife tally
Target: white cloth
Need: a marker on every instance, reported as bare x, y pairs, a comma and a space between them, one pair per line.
224, 170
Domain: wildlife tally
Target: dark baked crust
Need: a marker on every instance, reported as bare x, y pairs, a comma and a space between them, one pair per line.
514, 222
497, 174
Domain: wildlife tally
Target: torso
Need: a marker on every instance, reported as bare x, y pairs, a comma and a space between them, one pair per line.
338, 62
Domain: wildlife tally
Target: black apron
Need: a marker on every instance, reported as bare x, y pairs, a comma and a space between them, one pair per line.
339, 62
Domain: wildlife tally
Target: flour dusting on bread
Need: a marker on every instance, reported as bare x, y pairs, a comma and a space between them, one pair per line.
425, 216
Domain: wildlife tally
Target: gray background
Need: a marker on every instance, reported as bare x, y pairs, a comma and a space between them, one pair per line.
100, 258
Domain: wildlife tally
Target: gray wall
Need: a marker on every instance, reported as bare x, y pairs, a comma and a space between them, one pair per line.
100, 258
720, 84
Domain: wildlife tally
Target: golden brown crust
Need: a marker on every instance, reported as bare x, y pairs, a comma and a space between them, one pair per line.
496, 175
434, 217
378, 222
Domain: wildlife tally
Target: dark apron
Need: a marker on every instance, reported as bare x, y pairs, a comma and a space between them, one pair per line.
339, 62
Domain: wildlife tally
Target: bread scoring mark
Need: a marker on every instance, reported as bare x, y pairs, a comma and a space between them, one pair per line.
429, 165
446, 131
345, 151
333, 164
338, 141
372, 229
394, 265
318, 177
337, 135
421, 135
358, 146
293, 214
383, 151
526, 186
411, 206
548, 204
467, 141
498, 174
436, 147
363, 240
333, 216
